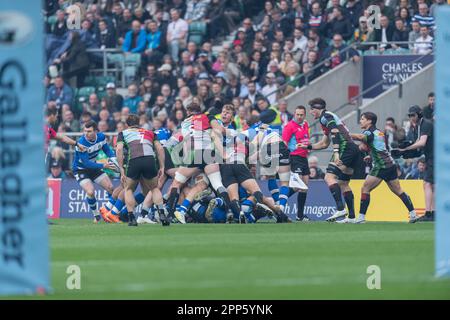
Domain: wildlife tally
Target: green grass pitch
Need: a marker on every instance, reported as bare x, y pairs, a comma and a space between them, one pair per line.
260, 261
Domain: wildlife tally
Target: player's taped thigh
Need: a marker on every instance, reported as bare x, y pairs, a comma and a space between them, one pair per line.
285, 176
181, 178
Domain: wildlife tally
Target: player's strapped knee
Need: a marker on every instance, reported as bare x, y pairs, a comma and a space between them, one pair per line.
258, 196
350, 201
284, 176
216, 181
180, 178
365, 201
336, 192
273, 188
407, 201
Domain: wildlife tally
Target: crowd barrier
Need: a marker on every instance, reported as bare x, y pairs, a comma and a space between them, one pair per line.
66, 199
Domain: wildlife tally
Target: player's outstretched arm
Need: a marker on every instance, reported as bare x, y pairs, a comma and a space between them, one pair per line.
69, 141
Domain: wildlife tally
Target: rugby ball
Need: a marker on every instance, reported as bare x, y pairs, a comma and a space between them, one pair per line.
114, 163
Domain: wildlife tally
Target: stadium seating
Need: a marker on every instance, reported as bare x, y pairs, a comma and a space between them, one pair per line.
197, 30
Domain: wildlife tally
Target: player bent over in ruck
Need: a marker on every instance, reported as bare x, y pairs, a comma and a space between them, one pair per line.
383, 167
141, 167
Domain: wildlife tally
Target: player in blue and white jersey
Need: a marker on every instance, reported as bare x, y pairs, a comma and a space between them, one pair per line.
87, 171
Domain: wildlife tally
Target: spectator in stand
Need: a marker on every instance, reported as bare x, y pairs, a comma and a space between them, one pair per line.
215, 20
423, 17
102, 126
70, 122
291, 80
424, 43
414, 34
383, 35
428, 110
313, 163
93, 106
114, 101
287, 18
386, 10
177, 32
105, 116
309, 68
60, 95
133, 99
60, 27
269, 89
406, 17
84, 118
390, 133
252, 92
123, 24
361, 33
75, 61
320, 42
404, 4
316, 19
401, 34
56, 171
334, 55
196, 10
354, 10
153, 48
105, 36
338, 23
300, 42
165, 76
285, 115
134, 39
241, 118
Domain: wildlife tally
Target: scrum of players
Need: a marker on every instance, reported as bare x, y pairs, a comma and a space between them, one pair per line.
211, 166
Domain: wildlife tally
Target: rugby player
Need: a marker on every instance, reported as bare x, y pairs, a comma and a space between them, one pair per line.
234, 170
383, 168
87, 171
295, 134
141, 166
343, 161
201, 133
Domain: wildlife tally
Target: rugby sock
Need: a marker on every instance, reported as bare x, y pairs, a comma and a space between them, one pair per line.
273, 188
247, 208
92, 205
144, 211
336, 192
226, 199
139, 198
291, 192
350, 201
184, 206
172, 201
110, 204
407, 201
365, 201
258, 196
117, 207
235, 208
283, 197
301, 200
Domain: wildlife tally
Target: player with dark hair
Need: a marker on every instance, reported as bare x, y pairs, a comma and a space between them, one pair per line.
423, 131
344, 159
87, 171
141, 166
295, 134
383, 167
201, 135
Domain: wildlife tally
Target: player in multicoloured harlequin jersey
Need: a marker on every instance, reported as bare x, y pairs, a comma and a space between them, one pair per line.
383, 167
344, 159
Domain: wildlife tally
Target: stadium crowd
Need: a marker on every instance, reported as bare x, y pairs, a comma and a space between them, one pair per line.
274, 42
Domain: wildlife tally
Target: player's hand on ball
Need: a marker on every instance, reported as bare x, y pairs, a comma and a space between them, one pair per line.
109, 166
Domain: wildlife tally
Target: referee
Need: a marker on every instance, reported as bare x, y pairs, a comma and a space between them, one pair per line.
423, 133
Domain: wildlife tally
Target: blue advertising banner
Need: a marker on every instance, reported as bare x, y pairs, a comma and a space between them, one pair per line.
24, 250
392, 69
319, 203
442, 143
